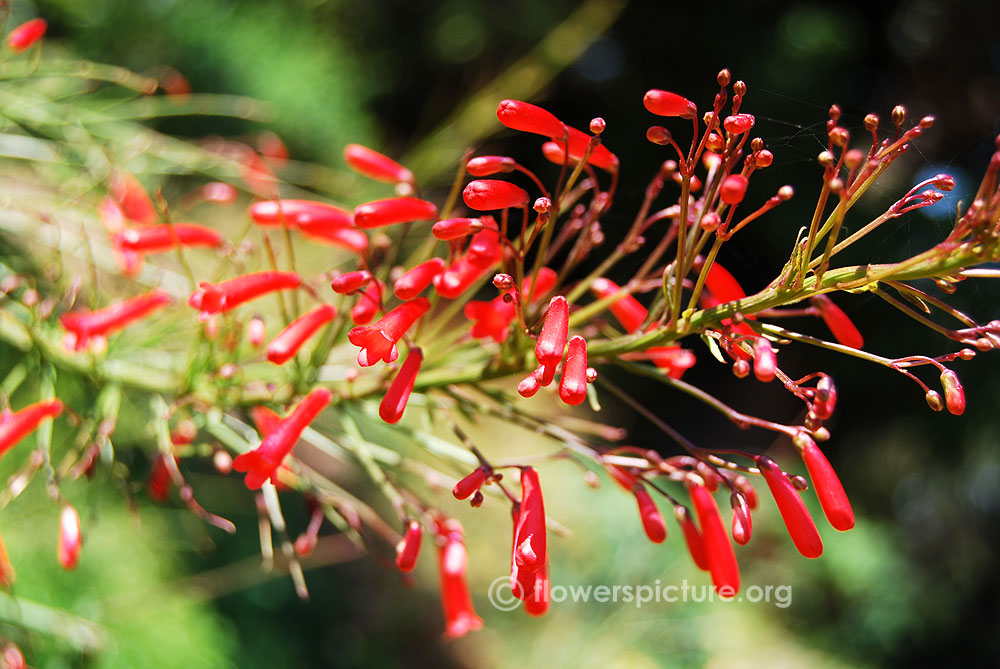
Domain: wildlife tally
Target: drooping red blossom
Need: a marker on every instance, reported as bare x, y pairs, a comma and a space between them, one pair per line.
22, 37
262, 463
692, 537
537, 591
82, 326
70, 537
484, 166
555, 328
742, 522
628, 310
793, 510
288, 342
394, 403
718, 550
459, 615
374, 165
527, 117
733, 189
764, 360
471, 483
378, 341
839, 323
489, 194
350, 281
293, 212
227, 295
368, 304
954, 394
132, 197
529, 542
665, 103
829, 490
15, 426
414, 281
652, 521
408, 549
573, 385
160, 238
394, 210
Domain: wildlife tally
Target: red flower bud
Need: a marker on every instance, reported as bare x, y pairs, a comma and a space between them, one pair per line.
527, 117
628, 310
378, 341
665, 103
414, 281
692, 537
17, 425
408, 549
262, 463
600, 156
673, 359
793, 510
825, 398
22, 37
529, 542
133, 199
487, 194
394, 403
293, 212
573, 385
718, 550
160, 238
652, 521
484, 166
350, 281
456, 228
738, 123
288, 342
459, 616
840, 324
552, 339
733, 189
471, 483
394, 210
829, 490
374, 165
227, 295
742, 524
460, 277
82, 326
954, 395
346, 237
70, 537
764, 360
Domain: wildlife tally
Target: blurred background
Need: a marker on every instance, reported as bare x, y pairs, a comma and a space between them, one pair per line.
915, 580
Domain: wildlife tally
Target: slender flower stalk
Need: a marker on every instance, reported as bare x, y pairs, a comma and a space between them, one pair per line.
262, 463
378, 341
394, 402
17, 425
82, 326
288, 342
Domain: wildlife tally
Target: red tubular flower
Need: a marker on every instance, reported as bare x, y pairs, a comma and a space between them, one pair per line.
573, 385
628, 310
529, 537
665, 103
793, 510
733, 189
529, 385
536, 588
738, 124
460, 277
673, 359
600, 156
527, 117
158, 485
293, 212
22, 37
692, 537
12, 658
718, 550
133, 198
764, 360
415, 280
81, 326
350, 281
841, 326
722, 285
552, 339
368, 303
484, 166
471, 483
227, 295
349, 238
288, 342
262, 463
160, 238
374, 165
491, 319
70, 537
954, 394
829, 490
378, 341
456, 228
459, 615
394, 210
652, 521
17, 425
484, 248
742, 523
488, 194
408, 549
394, 403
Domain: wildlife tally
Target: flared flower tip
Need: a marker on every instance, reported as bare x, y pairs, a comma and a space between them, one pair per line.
665, 103
527, 117
829, 490
70, 537
798, 522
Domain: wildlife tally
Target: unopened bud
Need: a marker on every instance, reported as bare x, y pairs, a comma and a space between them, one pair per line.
503, 281
839, 136
934, 401
834, 112
763, 159
898, 115
542, 205
741, 369
740, 88
597, 125
592, 480
477, 499
723, 77
657, 134
854, 158
826, 159
871, 122
954, 395
799, 482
